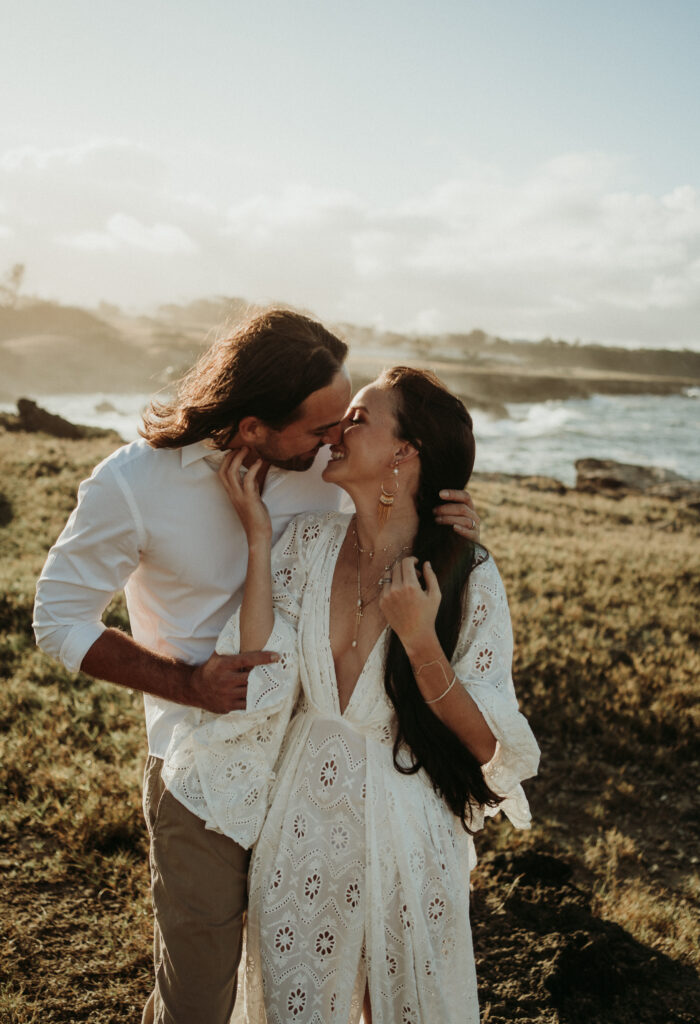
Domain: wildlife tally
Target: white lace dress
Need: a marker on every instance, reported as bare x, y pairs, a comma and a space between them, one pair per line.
360, 874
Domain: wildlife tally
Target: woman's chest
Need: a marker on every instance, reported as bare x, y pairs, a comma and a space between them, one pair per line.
355, 622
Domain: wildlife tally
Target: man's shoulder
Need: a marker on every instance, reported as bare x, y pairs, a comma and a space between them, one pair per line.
138, 456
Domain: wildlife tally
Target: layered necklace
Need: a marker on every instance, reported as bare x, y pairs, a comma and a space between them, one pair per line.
368, 594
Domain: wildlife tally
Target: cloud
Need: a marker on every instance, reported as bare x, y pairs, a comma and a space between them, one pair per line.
564, 251
570, 249
123, 230
110, 159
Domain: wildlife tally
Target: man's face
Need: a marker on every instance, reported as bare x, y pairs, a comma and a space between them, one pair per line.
321, 422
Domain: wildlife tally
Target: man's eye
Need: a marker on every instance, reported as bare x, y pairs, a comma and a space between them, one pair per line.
357, 420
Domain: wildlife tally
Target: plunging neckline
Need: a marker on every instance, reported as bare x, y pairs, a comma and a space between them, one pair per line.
327, 632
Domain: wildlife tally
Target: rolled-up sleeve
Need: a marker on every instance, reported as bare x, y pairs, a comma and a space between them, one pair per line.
91, 560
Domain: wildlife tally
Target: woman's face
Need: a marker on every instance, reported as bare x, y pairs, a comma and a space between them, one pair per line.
366, 451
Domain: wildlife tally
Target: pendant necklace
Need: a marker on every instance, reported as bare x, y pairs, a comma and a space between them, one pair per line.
362, 599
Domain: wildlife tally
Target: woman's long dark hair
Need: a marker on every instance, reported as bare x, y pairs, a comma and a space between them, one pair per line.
436, 423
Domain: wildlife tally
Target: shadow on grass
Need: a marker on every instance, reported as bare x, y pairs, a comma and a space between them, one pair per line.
549, 957
6, 511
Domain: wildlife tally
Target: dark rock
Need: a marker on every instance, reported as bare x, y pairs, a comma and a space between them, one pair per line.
8, 421
532, 483
33, 419
606, 475
685, 491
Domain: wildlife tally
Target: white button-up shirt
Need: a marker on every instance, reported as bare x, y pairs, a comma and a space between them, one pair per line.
158, 523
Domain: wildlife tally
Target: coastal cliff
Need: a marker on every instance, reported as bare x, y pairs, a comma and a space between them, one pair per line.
46, 348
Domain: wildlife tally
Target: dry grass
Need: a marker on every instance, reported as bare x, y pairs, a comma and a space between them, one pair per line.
75, 923
591, 916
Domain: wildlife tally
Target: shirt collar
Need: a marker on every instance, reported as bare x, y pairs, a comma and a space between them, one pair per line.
192, 453
199, 450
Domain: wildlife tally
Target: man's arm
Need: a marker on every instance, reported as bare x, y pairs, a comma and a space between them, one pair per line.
93, 558
219, 685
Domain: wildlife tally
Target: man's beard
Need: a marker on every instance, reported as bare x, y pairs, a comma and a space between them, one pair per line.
297, 464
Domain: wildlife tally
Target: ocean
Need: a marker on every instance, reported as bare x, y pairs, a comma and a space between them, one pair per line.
542, 437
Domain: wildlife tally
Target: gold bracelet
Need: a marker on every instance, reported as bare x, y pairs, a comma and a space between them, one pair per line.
428, 664
444, 694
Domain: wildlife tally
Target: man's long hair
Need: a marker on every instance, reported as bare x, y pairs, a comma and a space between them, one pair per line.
266, 368
437, 424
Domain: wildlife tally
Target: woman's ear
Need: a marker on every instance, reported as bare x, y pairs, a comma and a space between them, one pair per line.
405, 452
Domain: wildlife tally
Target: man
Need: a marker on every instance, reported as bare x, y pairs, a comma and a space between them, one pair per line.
154, 519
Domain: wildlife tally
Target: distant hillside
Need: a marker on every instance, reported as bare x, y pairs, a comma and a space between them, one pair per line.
482, 349
552, 354
46, 348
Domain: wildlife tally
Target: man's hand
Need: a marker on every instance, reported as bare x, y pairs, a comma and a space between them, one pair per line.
459, 513
221, 683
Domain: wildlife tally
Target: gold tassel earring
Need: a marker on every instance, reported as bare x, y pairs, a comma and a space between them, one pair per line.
386, 498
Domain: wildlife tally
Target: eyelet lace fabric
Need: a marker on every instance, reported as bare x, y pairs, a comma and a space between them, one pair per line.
360, 874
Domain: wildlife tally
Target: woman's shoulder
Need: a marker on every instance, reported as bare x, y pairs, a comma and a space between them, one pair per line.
310, 530
312, 525
485, 575
486, 614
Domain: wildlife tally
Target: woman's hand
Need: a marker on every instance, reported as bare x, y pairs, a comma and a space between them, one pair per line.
245, 496
407, 608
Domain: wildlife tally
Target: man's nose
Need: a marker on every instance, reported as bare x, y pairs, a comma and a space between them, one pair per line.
334, 435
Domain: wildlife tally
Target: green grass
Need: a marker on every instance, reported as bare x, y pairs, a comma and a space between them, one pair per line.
590, 916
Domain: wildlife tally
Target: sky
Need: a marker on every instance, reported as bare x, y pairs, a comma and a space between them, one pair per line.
529, 168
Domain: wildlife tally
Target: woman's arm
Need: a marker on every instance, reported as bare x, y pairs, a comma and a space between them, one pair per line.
448, 700
411, 613
257, 618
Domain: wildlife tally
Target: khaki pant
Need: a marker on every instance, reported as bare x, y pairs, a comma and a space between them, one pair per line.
199, 881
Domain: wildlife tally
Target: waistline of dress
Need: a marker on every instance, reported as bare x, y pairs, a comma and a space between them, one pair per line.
378, 729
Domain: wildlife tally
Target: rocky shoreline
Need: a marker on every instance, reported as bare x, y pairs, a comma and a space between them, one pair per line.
32, 419
593, 476
612, 480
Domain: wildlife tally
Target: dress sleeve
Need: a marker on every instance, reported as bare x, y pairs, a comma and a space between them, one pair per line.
483, 664
221, 767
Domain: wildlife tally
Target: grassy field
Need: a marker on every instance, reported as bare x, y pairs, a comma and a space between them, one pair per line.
589, 917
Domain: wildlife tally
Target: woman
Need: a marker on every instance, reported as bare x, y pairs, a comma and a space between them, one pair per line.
395, 648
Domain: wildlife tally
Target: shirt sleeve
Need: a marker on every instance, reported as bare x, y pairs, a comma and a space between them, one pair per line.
93, 558
221, 767
483, 664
